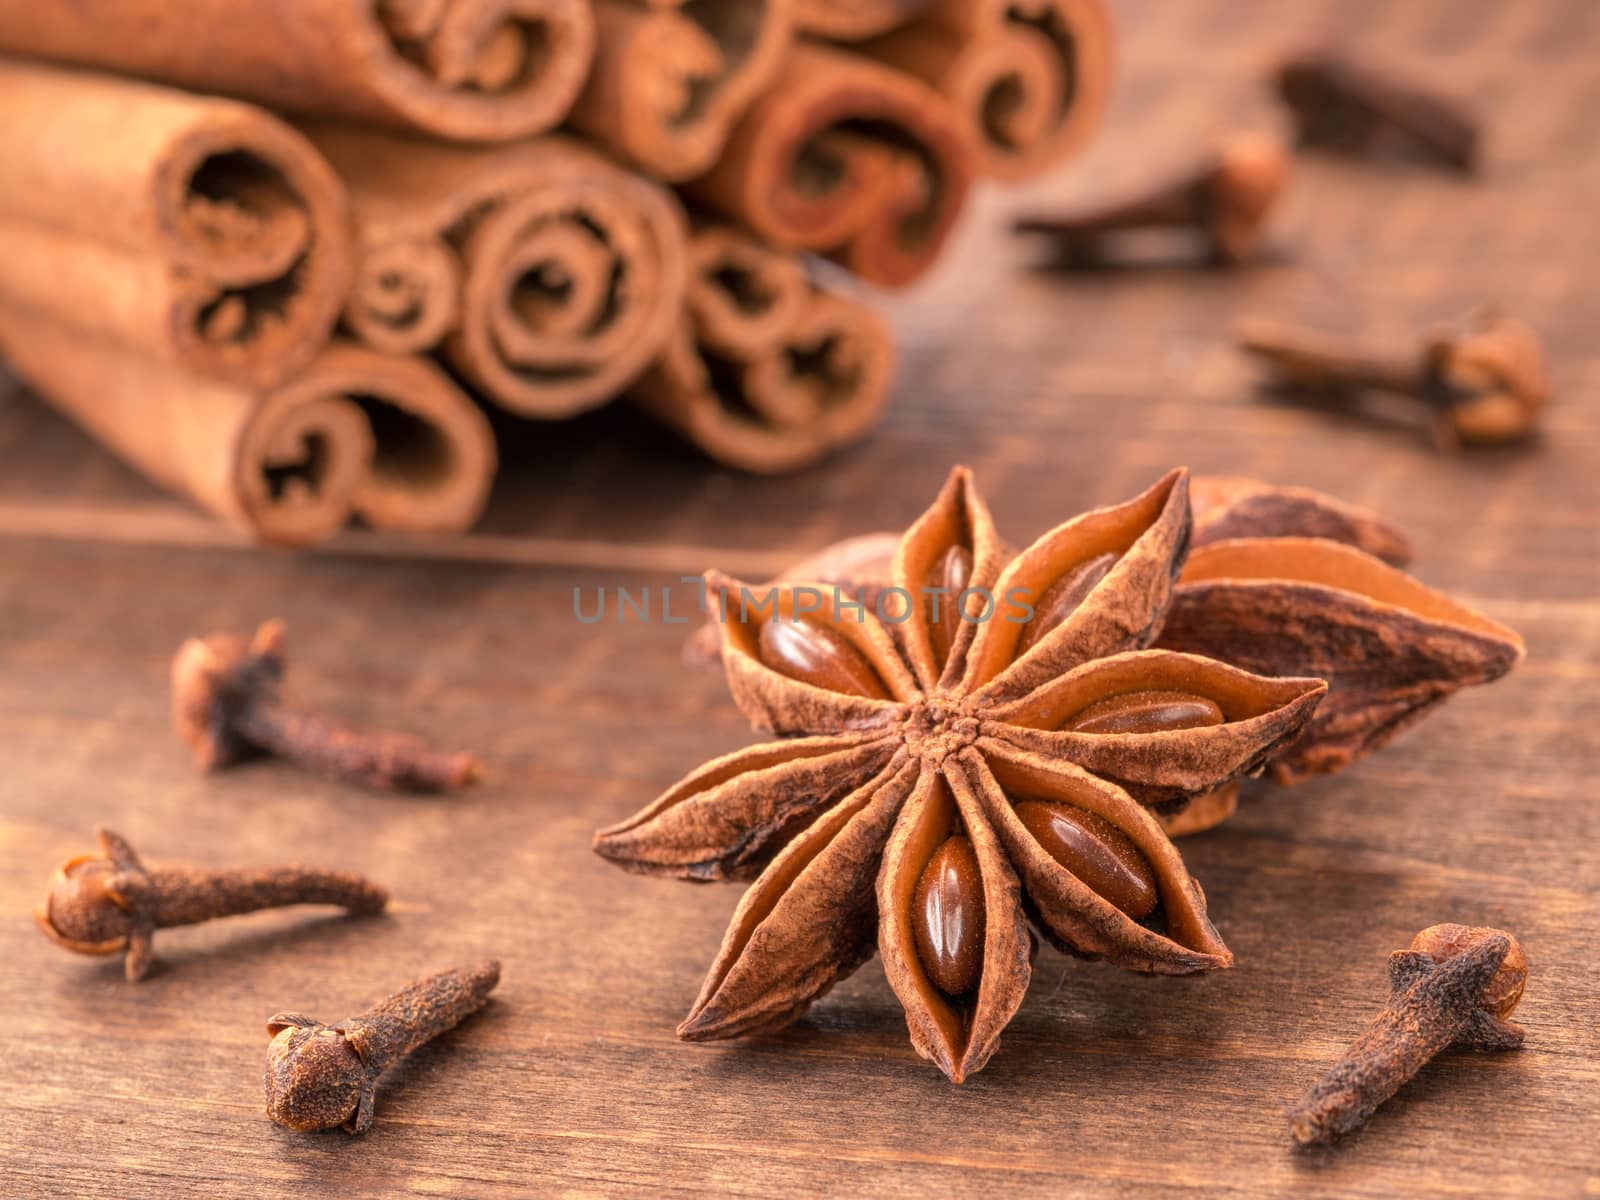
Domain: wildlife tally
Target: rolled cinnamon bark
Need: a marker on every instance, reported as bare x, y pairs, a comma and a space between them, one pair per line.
471, 69
203, 231
670, 77
765, 372
742, 298
547, 276
848, 157
1030, 77
852, 20
357, 432
433, 450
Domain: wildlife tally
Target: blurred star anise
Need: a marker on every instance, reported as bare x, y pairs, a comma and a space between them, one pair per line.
979, 759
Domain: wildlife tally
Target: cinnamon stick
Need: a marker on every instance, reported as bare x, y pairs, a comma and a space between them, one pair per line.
356, 432
670, 78
845, 156
766, 372
852, 20
471, 69
1030, 77
742, 297
203, 231
434, 457
545, 275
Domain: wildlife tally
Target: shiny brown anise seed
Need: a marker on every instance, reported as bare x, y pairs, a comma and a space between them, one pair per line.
950, 576
1062, 598
818, 656
1146, 712
1094, 850
948, 915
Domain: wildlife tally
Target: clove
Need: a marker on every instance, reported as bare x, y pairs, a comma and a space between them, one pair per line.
1455, 986
226, 706
1482, 382
110, 902
322, 1076
1343, 106
1225, 202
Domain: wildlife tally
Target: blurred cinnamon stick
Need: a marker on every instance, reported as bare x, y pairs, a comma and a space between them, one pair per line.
670, 78
204, 231
356, 432
1030, 77
470, 69
766, 372
845, 156
545, 275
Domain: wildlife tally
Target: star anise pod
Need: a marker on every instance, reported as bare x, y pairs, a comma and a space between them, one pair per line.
979, 759
1391, 648
1228, 507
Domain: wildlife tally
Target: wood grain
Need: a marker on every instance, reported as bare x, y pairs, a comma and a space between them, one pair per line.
1062, 392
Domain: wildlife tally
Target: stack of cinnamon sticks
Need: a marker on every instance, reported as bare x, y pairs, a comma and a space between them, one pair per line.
274, 254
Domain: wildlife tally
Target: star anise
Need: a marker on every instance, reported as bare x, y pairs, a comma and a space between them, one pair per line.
1285, 581
1391, 648
980, 758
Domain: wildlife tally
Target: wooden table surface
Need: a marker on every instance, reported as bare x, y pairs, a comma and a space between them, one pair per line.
1063, 392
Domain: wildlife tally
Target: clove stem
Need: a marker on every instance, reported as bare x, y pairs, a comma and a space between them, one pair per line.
1318, 360
1454, 986
322, 1076
106, 903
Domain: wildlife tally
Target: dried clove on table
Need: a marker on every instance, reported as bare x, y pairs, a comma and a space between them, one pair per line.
1454, 986
322, 1076
1225, 201
109, 902
1350, 108
1482, 381
225, 706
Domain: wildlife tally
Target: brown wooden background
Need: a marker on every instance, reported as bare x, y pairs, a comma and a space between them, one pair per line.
1062, 392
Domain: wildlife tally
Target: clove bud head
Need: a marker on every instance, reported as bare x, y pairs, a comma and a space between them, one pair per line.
1444, 942
315, 1078
1252, 170
212, 679
82, 909
1490, 377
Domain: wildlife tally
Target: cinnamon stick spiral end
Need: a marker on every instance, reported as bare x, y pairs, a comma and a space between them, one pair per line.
1032, 80
570, 287
847, 157
767, 373
262, 247
670, 79
405, 296
480, 70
